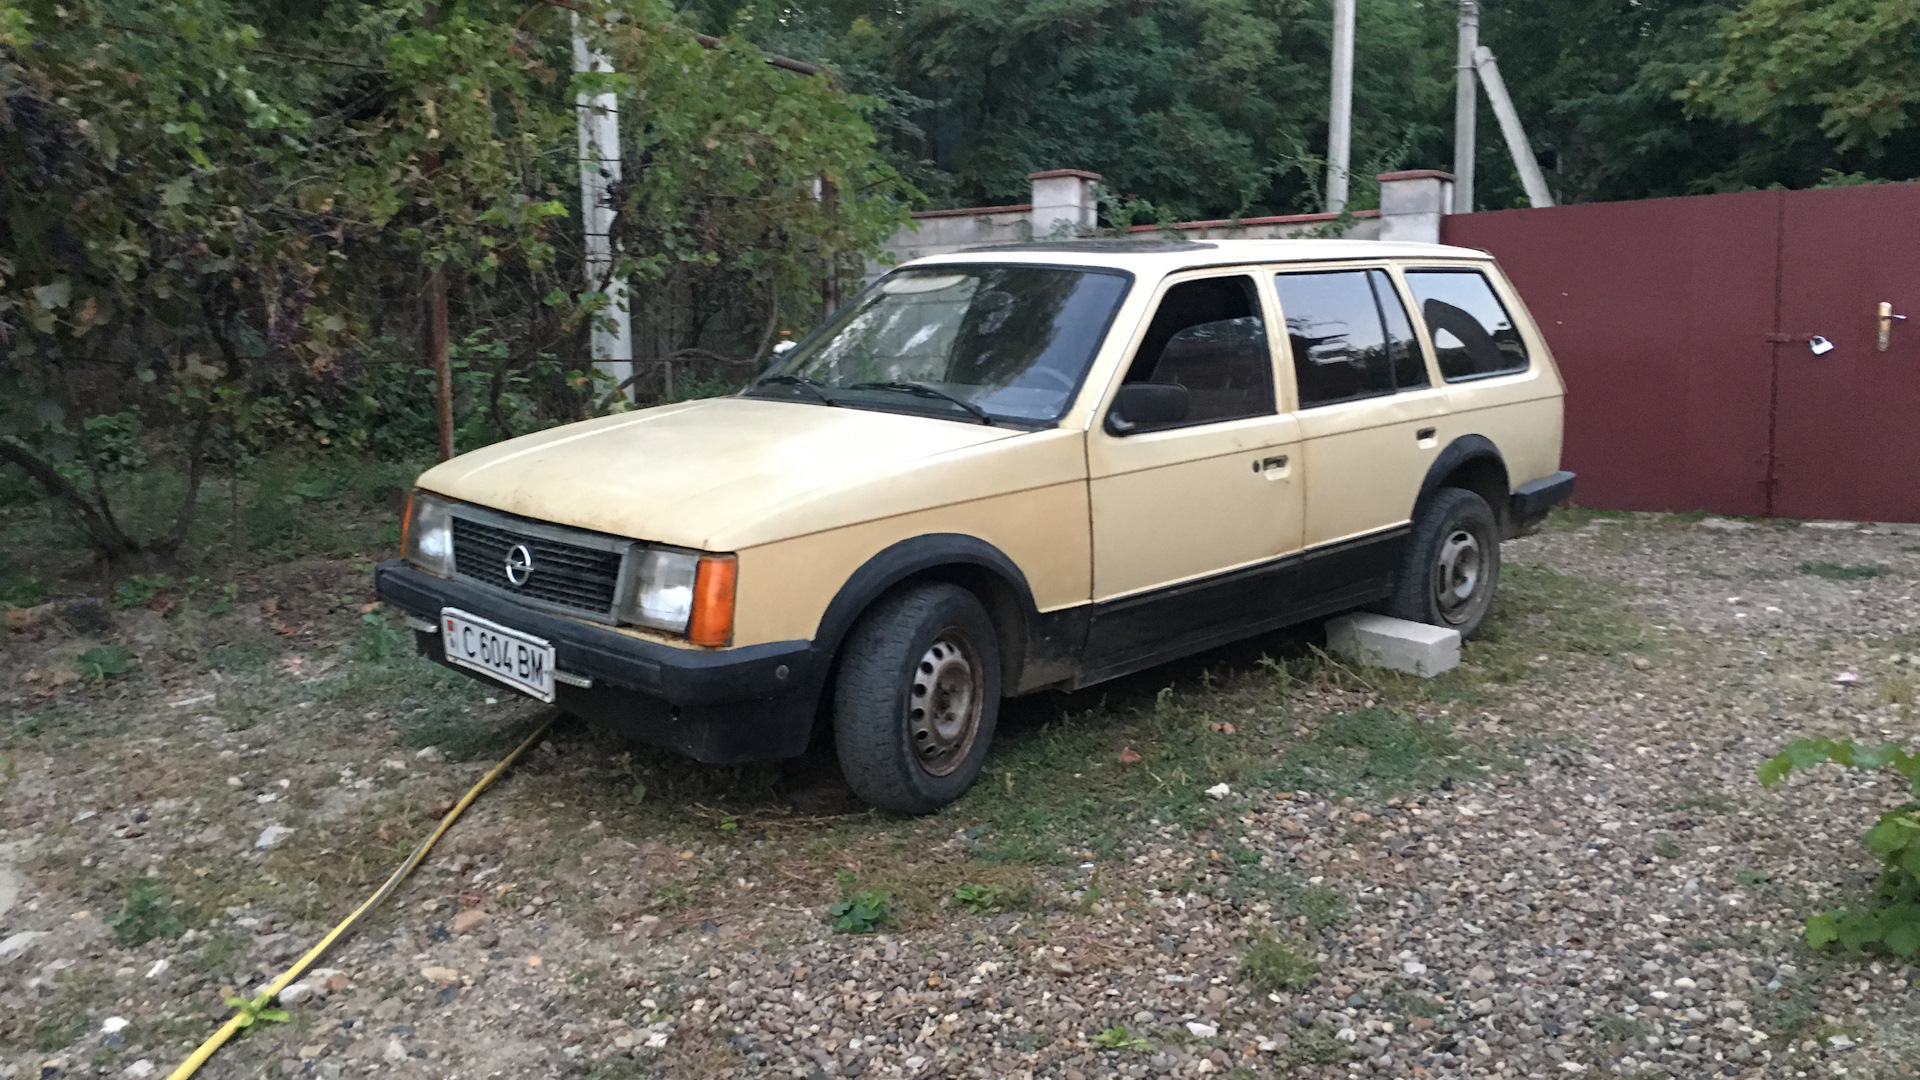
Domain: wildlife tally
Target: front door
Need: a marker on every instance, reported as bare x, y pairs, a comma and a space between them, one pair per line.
1187, 515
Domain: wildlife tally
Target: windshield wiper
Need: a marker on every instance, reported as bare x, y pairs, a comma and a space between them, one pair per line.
810, 385
925, 391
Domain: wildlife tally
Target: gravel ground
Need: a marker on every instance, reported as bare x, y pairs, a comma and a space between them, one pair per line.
1560, 865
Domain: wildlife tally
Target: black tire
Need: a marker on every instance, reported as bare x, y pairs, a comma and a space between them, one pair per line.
897, 720
1451, 570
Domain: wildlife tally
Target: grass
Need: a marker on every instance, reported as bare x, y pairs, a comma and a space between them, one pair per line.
147, 915
1381, 748
1667, 849
1275, 965
1896, 691
1842, 571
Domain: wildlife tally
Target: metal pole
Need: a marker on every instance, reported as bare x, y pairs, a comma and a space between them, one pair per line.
1524, 162
612, 343
1340, 116
1465, 105
439, 337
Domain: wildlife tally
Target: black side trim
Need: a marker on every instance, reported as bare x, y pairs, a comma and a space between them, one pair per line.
1138, 632
1535, 497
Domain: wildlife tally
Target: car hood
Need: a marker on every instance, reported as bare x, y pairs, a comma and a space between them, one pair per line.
698, 474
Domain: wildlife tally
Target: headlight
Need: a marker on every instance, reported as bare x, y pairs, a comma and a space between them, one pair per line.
683, 593
426, 540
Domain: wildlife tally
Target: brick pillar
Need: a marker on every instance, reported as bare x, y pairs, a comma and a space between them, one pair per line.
1412, 203
1063, 195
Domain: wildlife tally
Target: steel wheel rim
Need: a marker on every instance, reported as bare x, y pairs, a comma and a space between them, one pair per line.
944, 702
1459, 572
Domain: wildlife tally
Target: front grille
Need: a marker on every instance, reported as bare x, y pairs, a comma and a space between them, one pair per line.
570, 576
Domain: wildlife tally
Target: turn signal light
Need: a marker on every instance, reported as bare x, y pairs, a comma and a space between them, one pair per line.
713, 588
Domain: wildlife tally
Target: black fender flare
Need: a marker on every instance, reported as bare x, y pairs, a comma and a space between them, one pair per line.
1465, 450
953, 557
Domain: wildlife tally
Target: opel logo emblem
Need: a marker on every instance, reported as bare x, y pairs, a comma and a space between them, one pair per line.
519, 564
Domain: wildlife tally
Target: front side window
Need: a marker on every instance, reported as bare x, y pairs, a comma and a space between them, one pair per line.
983, 343
1209, 337
1350, 335
1473, 336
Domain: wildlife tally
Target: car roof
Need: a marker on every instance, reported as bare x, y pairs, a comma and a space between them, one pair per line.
1165, 256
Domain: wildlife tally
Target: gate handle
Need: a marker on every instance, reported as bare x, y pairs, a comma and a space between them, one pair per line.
1887, 318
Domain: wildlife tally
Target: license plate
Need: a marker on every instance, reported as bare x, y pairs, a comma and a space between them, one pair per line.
522, 661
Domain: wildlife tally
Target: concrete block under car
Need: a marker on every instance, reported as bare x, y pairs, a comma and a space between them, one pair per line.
1395, 644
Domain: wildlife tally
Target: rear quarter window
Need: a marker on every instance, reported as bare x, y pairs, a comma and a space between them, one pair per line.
1474, 335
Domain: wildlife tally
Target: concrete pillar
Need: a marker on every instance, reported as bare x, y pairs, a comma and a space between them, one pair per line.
1063, 203
1412, 204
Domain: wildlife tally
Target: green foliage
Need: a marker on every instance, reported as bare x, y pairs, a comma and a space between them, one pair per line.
978, 899
859, 911
863, 912
214, 215
103, 662
139, 589
378, 641
1850, 66
1272, 964
20, 589
147, 915
1196, 106
1890, 917
1119, 1038
260, 1008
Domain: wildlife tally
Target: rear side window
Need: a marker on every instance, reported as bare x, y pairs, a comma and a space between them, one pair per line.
1350, 336
1473, 336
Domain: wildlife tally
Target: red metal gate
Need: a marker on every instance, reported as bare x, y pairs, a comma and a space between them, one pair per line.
1684, 326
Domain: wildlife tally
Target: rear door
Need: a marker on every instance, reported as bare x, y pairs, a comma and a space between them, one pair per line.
1368, 410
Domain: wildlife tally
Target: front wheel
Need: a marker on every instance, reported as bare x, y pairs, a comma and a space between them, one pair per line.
1452, 565
917, 698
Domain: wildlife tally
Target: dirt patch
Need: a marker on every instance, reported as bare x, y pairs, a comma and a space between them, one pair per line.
1553, 861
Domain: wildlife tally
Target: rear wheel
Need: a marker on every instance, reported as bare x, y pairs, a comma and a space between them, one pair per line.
1452, 565
916, 699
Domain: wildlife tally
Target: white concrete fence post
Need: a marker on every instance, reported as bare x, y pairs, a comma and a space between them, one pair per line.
1412, 204
1063, 203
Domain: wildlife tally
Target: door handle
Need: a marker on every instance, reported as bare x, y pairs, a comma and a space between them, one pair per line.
1423, 434
1270, 463
1887, 318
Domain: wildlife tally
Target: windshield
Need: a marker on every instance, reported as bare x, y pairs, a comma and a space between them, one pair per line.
977, 343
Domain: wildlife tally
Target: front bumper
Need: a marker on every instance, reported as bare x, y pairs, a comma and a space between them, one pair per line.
751, 703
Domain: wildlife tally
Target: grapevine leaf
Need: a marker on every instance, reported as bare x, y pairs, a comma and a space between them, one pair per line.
1900, 929
1822, 928
1857, 930
1775, 769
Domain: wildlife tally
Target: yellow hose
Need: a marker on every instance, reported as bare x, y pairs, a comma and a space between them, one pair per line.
219, 1038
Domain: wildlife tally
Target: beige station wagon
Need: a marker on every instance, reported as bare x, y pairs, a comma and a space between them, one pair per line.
996, 472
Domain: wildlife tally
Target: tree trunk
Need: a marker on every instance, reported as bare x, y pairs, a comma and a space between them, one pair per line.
103, 532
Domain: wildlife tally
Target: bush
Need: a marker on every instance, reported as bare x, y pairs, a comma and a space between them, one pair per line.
1890, 916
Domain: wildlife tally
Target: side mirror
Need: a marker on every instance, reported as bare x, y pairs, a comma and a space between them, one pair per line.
1144, 403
